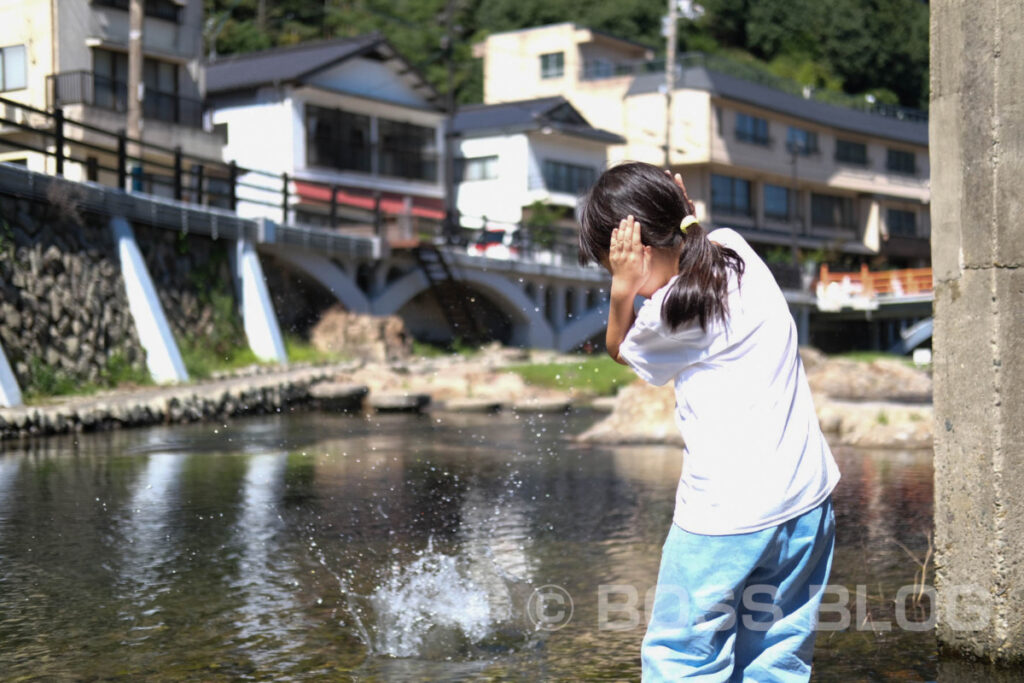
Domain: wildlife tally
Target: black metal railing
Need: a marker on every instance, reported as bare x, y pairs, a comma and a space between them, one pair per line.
132, 164
87, 87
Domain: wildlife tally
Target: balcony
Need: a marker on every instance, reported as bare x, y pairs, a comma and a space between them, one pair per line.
86, 87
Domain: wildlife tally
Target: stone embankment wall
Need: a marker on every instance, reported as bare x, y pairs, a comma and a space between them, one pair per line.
192, 276
63, 308
64, 315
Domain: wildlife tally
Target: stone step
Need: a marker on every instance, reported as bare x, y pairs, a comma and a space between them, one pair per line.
603, 404
542, 405
339, 396
471, 405
399, 403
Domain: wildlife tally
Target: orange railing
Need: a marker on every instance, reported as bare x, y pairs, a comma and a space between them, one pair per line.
880, 283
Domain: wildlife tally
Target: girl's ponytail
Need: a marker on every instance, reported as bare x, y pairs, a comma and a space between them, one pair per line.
645, 192
701, 291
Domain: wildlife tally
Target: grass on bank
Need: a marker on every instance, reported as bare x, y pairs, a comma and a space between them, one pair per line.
201, 360
47, 381
599, 376
458, 347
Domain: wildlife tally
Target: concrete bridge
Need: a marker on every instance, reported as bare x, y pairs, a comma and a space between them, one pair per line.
541, 306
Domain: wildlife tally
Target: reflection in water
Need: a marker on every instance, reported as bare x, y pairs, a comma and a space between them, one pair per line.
147, 547
313, 545
9, 468
264, 579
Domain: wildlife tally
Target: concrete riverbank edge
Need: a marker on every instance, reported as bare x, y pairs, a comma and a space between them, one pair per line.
253, 394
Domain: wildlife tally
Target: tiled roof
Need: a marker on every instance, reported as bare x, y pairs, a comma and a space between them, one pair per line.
526, 115
765, 97
277, 65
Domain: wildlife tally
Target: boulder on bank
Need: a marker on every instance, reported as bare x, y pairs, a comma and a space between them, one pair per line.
858, 404
880, 380
365, 337
642, 414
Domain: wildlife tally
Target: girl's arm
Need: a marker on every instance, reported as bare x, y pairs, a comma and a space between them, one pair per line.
629, 263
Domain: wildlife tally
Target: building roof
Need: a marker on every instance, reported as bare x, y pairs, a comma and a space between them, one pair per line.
766, 97
296, 63
522, 116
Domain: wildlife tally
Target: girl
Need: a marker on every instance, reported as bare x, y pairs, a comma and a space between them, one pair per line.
748, 555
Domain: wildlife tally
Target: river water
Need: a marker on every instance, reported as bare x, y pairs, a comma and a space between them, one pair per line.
333, 547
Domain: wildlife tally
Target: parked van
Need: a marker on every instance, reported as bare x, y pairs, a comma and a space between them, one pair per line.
497, 244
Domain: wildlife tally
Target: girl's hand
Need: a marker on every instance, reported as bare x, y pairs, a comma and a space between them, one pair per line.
628, 259
678, 180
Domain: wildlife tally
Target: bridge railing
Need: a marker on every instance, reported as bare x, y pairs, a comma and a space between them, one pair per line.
866, 285
140, 166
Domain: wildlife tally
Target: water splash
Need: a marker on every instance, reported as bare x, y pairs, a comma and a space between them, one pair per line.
433, 607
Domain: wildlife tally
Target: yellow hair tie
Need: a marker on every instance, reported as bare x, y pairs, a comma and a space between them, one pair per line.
687, 222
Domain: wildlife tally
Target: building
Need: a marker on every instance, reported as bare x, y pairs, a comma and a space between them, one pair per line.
516, 155
73, 54
348, 131
840, 183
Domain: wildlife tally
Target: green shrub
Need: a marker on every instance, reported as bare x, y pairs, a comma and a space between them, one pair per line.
600, 376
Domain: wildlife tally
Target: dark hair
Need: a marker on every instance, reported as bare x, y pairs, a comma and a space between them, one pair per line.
649, 195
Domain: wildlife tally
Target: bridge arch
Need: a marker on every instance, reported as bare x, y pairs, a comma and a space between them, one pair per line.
582, 328
328, 274
530, 327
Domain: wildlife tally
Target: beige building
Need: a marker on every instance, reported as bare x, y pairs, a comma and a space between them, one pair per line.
781, 168
73, 54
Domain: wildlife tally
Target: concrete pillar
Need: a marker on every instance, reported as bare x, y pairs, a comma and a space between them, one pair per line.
579, 304
163, 359
557, 312
10, 394
258, 317
976, 130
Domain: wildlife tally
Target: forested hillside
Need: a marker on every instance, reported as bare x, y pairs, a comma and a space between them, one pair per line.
854, 46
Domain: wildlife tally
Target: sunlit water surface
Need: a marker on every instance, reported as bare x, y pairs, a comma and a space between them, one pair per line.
332, 547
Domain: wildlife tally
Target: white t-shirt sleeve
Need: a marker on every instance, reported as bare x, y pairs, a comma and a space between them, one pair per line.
656, 354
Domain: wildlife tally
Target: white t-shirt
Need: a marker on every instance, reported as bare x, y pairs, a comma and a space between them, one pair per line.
755, 455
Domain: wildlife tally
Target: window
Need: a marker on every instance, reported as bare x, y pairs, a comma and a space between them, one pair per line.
751, 129
802, 142
160, 102
730, 195
568, 178
852, 152
158, 9
110, 78
829, 211
407, 150
595, 68
776, 201
338, 139
901, 223
13, 73
552, 65
899, 161
479, 168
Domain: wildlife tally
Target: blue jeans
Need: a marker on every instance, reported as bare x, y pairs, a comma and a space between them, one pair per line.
741, 607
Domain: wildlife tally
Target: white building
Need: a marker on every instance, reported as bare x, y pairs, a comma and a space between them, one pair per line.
514, 155
348, 119
73, 54
783, 169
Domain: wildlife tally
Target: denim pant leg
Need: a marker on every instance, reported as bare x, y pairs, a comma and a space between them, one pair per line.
709, 612
692, 629
775, 641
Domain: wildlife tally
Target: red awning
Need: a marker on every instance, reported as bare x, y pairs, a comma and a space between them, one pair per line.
390, 202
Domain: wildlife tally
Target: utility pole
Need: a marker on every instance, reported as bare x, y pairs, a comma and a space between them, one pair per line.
135, 85
670, 76
451, 219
